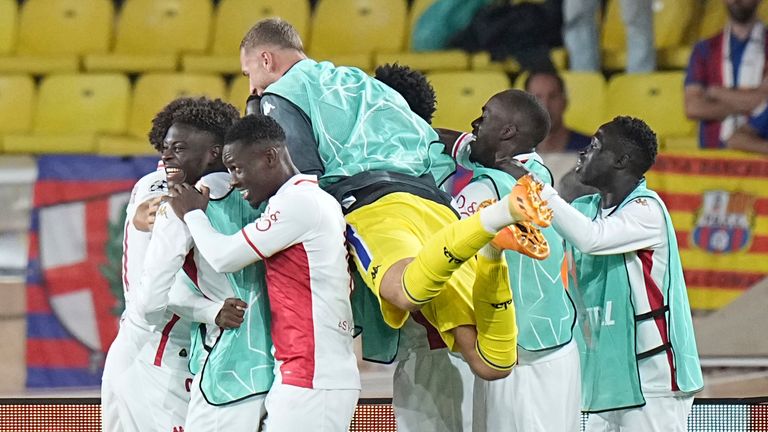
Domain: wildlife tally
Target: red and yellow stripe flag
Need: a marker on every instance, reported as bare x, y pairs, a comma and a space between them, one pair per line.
718, 201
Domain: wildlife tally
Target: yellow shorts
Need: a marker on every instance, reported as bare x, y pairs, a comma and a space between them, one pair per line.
394, 228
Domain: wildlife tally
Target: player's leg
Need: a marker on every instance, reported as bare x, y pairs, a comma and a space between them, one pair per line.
668, 414
432, 391
443, 253
119, 359
153, 398
245, 415
291, 408
540, 396
121, 355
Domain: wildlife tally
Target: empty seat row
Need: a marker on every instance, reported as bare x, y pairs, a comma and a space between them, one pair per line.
82, 113
106, 114
657, 98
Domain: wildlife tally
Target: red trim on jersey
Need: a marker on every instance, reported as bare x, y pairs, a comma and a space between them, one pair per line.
455, 149
125, 256
164, 339
300, 181
433, 336
258, 252
190, 268
656, 301
290, 301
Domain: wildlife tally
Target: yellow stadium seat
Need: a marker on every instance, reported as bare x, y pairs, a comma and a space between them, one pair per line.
8, 23
154, 91
65, 27
17, 99
233, 19
427, 61
151, 34
656, 98
482, 62
461, 96
358, 27
671, 19
71, 110
52, 33
238, 92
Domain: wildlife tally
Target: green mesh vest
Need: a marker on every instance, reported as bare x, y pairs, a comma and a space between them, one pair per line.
360, 124
240, 363
545, 313
609, 365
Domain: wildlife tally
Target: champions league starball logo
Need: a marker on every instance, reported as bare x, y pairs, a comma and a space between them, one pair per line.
724, 221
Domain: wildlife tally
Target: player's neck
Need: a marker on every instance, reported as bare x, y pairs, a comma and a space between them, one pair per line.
618, 190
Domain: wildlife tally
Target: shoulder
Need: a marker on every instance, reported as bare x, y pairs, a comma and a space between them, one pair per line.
152, 184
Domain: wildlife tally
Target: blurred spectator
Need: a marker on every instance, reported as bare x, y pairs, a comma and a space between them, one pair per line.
581, 35
549, 89
726, 75
752, 136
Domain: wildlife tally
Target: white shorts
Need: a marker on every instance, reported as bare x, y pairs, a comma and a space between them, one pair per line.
292, 409
245, 415
153, 398
432, 391
541, 396
660, 414
123, 351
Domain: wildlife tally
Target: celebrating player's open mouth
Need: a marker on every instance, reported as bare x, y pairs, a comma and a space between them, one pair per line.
174, 175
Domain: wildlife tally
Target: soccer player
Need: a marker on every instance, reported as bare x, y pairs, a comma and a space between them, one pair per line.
432, 388
192, 152
300, 238
134, 331
640, 366
543, 392
382, 162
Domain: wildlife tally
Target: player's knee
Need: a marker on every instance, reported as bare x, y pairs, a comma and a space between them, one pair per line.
391, 288
483, 371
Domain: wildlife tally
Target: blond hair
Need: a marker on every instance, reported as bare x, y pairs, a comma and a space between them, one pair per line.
275, 32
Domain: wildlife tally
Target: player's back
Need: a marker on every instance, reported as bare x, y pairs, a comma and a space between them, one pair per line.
361, 124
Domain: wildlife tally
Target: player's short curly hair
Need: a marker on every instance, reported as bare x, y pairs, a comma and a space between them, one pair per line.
412, 85
211, 115
639, 139
256, 129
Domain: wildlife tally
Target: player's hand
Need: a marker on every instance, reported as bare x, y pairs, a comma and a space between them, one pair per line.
511, 166
184, 198
231, 314
145, 215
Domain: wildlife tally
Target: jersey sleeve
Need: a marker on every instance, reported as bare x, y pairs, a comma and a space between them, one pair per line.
636, 226
188, 302
285, 222
168, 247
150, 186
299, 135
467, 201
461, 149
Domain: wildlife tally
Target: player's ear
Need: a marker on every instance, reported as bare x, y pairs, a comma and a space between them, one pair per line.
216, 152
623, 161
271, 156
509, 131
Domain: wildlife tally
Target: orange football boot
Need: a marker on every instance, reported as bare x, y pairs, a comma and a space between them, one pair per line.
526, 205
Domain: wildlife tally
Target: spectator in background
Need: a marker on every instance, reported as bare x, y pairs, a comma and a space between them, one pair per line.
549, 89
726, 75
752, 136
581, 35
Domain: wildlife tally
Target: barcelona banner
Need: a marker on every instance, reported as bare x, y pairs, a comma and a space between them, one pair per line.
718, 201
74, 293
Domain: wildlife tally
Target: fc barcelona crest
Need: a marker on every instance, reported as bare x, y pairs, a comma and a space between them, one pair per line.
724, 221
